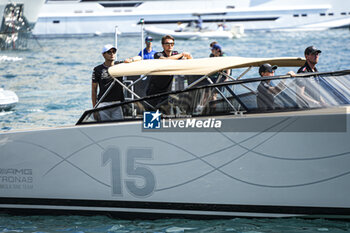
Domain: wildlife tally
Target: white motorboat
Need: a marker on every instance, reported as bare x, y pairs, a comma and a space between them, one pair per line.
94, 17
8, 99
18, 18
235, 32
203, 151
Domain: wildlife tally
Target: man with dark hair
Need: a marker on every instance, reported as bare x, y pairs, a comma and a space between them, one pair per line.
168, 52
211, 48
148, 52
160, 84
312, 55
309, 88
216, 50
266, 92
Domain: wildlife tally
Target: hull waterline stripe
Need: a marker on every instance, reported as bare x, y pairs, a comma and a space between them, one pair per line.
168, 207
211, 20
149, 211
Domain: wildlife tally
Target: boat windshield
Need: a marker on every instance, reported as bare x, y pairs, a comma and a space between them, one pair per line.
248, 96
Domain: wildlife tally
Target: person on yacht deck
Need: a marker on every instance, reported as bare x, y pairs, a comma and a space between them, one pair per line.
309, 88
266, 91
199, 23
101, 82
180, 27
148, 52
211, 48
160, 84
217, 51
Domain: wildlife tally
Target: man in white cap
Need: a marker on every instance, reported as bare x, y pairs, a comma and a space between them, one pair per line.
102, 80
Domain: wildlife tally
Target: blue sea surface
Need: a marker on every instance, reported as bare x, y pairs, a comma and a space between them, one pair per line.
83, 224
52, 78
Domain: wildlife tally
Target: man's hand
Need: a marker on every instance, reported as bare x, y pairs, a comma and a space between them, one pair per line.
132, 59
186, 55
291, 73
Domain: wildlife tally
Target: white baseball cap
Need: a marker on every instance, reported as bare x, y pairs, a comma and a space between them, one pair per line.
107, 47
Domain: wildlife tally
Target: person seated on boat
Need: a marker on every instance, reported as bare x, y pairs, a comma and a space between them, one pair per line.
180, 27
220, 27
148, 52
190, 25
308, 91
102, 81
266, 91
199, 23
160, 84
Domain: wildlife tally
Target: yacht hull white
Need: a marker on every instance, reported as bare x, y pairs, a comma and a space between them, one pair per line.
77, 18
120, 168
194, 35
220, 150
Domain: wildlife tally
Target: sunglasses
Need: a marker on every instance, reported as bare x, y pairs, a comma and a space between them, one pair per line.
110, 52
148, 40
169, 43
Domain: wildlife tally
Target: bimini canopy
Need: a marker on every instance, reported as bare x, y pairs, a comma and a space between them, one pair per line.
201, 66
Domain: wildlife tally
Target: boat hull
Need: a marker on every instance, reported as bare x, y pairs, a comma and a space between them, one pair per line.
8, 99
193, 35
62, 18
122, 168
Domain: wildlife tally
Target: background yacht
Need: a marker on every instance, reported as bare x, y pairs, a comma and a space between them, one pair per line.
17, 18
89, 17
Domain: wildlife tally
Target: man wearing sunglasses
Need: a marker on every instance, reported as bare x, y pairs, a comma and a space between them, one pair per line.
309, 89
102, 80
160, 84
148, 52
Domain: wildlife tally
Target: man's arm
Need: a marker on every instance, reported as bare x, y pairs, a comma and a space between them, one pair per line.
133, 59
301, 93
183, 55
94, 93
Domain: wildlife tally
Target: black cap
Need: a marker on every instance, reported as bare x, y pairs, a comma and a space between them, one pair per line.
267, 68
311, 50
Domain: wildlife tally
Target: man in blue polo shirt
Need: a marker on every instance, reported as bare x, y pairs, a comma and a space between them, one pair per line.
148, 52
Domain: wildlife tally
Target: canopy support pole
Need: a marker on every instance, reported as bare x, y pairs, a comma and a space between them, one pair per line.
197, 81
222, 95
110, 87
133, 93
136, 81
104, 94
246, 71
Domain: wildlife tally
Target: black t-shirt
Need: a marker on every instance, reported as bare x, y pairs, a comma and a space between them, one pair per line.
311, 84
265, 98
101, 76
306, 69
162, 83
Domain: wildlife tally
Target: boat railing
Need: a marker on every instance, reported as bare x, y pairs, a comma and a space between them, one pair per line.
329, 89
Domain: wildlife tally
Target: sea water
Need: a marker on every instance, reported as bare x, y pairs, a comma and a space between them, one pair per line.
52, 78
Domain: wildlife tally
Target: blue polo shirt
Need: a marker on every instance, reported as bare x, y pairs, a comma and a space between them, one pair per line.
147, 55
